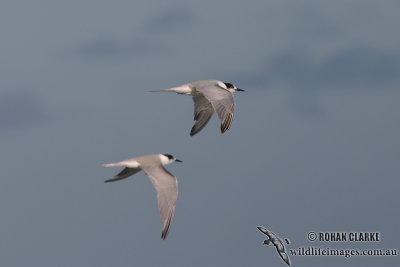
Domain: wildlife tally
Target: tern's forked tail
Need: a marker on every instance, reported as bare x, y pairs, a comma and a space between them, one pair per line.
155, 91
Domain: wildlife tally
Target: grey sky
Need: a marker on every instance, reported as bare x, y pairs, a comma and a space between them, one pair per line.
313, 146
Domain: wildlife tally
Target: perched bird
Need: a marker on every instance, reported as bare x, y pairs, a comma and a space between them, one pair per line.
274, 240
209, 96
164, 182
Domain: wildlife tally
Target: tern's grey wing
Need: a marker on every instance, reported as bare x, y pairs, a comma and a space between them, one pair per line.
166, 185
125, 173
203, 112
222, 102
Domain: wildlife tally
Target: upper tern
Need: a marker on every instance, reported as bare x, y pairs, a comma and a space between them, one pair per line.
209, 96
164, 182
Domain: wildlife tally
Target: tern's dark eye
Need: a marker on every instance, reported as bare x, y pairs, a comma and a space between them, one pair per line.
229, 85
169, 156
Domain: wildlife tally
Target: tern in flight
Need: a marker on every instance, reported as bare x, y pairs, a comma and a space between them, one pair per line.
209, 96
164, 182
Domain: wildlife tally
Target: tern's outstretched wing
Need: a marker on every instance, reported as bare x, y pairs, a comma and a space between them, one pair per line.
222, 102
166, 185
203, 112
125, 173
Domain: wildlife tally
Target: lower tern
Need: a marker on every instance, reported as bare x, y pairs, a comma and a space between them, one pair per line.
209, 96
164, 182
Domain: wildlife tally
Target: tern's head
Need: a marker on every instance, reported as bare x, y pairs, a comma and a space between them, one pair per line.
167, 159
232, 87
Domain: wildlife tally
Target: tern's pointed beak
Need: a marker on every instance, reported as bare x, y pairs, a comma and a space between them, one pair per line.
240, 90
178, 160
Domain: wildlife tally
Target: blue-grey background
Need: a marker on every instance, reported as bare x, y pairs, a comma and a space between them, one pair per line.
314, 145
